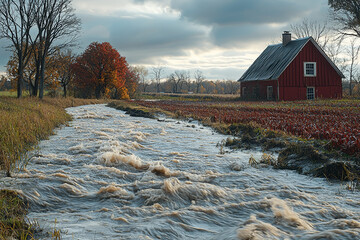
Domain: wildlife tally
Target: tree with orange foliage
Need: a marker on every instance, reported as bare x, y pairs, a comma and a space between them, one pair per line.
101, 72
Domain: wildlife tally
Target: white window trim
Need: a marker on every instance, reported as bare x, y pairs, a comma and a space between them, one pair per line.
314, 93
310, 75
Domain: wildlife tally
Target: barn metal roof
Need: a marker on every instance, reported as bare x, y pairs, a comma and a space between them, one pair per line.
276, 58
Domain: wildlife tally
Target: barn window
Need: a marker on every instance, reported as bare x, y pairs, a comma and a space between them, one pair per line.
310, 93
310, 69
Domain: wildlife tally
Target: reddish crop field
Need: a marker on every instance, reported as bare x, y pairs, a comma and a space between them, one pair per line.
335, 121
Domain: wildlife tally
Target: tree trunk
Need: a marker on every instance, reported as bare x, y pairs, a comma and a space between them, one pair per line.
64, 87
31, 87
20, 78
97, 91
42, 78
37, 76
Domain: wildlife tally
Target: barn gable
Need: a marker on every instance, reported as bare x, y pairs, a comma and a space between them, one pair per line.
274, 60
292, 70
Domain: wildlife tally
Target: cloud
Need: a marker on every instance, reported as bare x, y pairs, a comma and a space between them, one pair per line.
247, 36
144, 39
4, 54
216, 36
225, 12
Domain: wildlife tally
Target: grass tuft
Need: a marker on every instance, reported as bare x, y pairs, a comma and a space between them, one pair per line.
13, 224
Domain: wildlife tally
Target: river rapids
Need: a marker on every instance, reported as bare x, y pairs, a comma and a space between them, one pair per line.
111, 176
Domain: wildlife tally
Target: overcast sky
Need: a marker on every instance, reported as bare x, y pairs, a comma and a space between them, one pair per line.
219, 37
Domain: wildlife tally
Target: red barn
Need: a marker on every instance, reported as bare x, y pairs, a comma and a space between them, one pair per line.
293, 70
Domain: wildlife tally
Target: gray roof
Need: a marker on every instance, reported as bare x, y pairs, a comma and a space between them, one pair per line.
276, 58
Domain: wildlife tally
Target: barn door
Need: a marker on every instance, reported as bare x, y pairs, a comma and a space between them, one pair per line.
270, 93
310, 93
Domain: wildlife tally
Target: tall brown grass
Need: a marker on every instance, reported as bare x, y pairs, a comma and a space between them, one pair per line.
12, 217
23, 122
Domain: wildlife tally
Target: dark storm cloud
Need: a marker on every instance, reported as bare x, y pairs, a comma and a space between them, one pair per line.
243, 23
224, 12
245, 35
143, 38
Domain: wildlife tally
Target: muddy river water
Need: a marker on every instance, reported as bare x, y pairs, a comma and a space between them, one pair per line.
111, 176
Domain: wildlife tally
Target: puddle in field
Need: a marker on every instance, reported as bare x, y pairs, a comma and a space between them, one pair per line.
112, 176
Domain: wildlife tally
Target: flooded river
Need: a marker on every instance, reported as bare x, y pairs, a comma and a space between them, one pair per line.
111, 176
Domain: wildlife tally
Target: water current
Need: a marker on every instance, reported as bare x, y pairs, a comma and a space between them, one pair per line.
111, 176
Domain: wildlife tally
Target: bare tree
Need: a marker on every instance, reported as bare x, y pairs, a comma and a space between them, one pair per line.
353, 53
347, 14
180, 79
55, 20
199, 78
188, 81
157, 72
172, 82
318, 30
17, 17
142, 72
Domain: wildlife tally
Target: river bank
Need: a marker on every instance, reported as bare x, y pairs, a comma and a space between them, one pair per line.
23, 123
307, 156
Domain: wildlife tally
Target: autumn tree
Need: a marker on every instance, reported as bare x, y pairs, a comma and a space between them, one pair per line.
52, 74
61, 64
100, 70
28, 72
347, 14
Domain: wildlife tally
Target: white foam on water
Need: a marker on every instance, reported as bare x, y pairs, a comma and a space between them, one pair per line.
159, 169
257, 230
286, 215
111, 159
114, 191
114, 170
73, 189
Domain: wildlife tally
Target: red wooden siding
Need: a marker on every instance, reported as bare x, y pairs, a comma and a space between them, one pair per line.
293, 83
